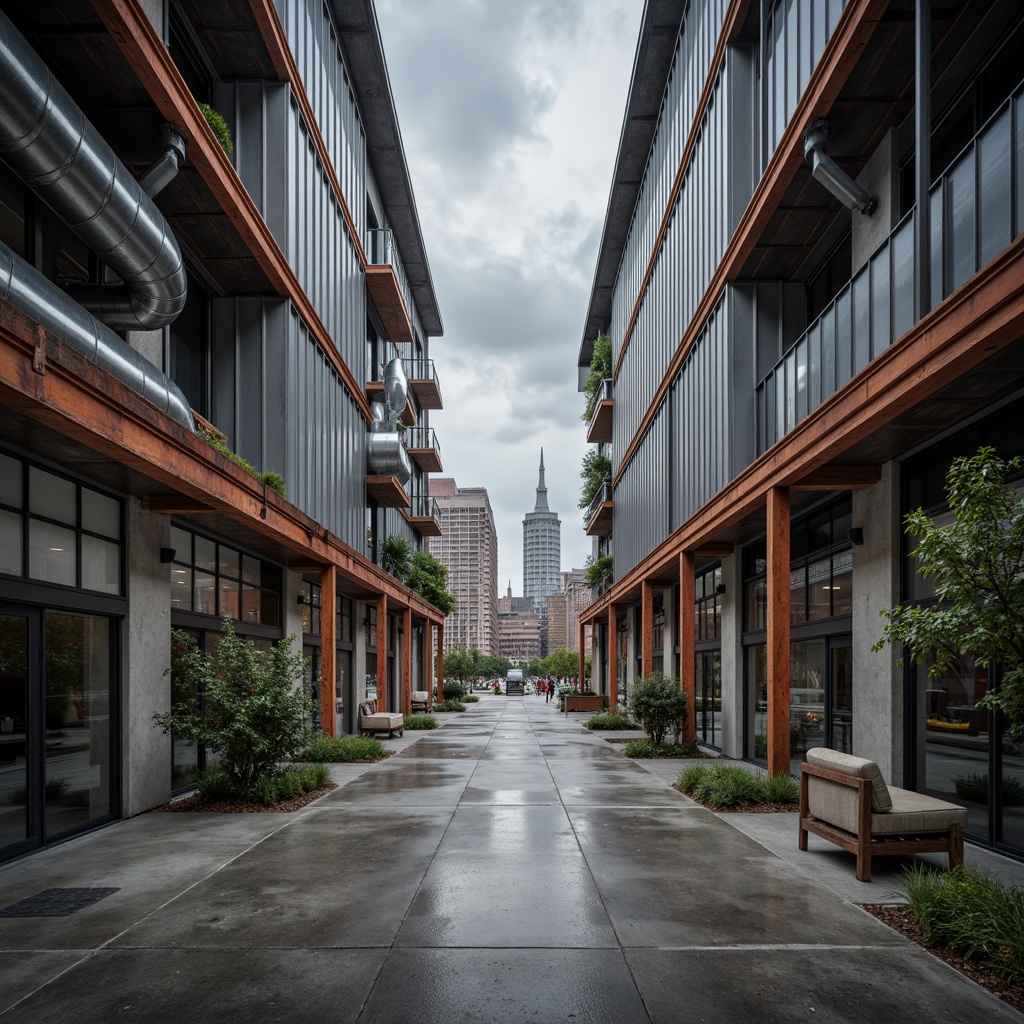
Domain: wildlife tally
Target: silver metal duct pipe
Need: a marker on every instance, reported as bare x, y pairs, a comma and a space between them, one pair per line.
163, 169
386, 452
47, 140
831, 175
39, 298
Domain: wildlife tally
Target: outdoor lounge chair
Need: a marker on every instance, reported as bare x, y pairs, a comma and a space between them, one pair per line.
845, 800
373, 721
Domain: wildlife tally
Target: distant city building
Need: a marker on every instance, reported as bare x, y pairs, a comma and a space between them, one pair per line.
542, 552
468, 548
557, 625
564, 610
519, 629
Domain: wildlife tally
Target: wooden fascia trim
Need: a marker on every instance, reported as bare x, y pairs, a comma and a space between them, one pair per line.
837, 478
982, 316
276, 41
151, 62
79, 400
856, 25
730, 26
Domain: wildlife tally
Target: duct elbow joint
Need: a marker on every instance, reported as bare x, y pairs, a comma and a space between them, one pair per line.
831, 175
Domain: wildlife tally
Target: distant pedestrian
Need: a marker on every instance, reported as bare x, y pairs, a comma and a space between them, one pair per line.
548, 687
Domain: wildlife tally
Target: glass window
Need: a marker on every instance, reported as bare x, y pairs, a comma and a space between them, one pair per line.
204, 593
206, 554
11, 543
51, 553
798, 595
181, 588
181, 542
819, 589
228, 598
842, 583
52, 496
10, 482
101, 514
101, 565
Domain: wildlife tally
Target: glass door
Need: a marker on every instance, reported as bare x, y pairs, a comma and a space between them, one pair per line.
709, 697
840, 665
15, 828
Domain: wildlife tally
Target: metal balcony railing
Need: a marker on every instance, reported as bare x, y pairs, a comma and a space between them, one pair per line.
976, 209
422, 438
424, 383
382, 251
424, 507
604, 494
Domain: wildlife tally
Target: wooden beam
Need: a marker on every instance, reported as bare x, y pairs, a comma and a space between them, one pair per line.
382, 652
778, 631
687, 640
407, 662
440, 661
713, 550
613, 659
328, 649
838, 478
647, 627
175, 505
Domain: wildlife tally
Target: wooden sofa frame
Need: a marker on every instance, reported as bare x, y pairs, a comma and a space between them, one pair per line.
862, 843
368, 709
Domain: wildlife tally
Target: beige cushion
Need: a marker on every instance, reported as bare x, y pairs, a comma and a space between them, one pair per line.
381, 720
917, 812
859, 768
420, 697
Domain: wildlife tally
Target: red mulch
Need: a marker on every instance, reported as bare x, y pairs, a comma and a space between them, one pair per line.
195, 803
900, 919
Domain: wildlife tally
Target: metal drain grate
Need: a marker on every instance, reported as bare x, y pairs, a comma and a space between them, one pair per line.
56, 902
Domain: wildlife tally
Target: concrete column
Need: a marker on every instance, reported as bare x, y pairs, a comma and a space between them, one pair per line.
877, 680
359, 652
732, 657
146, 657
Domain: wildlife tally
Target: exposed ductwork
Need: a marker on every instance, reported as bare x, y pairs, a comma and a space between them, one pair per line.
831, 175
386, 452
46, 140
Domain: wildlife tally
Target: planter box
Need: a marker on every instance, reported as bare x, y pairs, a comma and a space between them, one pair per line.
585, 702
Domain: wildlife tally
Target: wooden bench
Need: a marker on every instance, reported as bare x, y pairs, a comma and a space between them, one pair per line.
373, 721
420, 701
845, 800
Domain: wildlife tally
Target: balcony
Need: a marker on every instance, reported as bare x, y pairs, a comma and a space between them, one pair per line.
421, 444
388, 286
424, 516
598, 516
976, 208
387, 491
424, 385
600, 429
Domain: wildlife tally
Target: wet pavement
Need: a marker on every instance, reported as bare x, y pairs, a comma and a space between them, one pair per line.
510, 866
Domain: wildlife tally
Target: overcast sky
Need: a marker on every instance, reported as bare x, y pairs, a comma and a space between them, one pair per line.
510, 113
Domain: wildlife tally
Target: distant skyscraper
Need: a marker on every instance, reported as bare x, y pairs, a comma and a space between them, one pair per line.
542, 551
468, 548
519, 629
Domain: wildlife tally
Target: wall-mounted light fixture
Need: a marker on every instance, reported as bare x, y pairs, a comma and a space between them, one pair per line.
831, 175
720, 588
301, 599
167, 554
855, 535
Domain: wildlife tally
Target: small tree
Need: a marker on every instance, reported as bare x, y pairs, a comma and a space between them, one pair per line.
658, 704
977, 564
429, 578
458, 664
246, 705
562, 664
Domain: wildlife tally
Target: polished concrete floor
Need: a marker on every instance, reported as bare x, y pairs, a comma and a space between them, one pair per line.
510, 866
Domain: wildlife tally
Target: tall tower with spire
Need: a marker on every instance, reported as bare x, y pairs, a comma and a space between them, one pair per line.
542, 550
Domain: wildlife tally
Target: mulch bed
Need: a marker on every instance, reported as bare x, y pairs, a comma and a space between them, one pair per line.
900, 919
196, 803
765, 808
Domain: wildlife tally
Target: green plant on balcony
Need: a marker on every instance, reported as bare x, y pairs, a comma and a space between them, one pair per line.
600, 370
595, 472
599, 571
272, 479
218, 126
396, 556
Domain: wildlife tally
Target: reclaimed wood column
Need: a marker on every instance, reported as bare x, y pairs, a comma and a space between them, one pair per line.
647, 627
328, 648
440, 661
382, 652
407, 662
613, 659
778, 631
687, 673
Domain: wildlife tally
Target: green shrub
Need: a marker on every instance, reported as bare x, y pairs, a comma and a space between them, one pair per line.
289, 786
729, 787
275, 482
645, 748
263, 791
247, 706
420, 722
658, 704
971, 914
449, 705
218, 126
213, 784
455, 689
612, 720
335, 749
313, 776
470, 698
